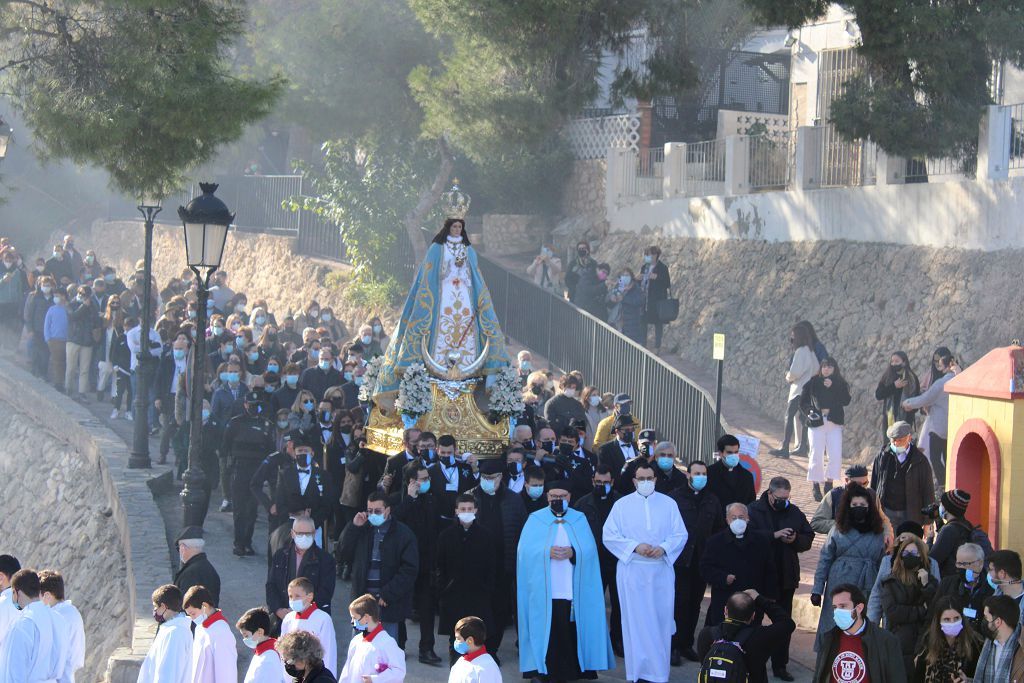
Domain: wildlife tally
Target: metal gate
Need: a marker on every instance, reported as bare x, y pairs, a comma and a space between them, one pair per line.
840, 159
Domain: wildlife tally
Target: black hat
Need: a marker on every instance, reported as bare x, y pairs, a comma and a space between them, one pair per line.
295, 437
557, 484
910, 526
856, 471
625, 420
190, 533
492, 466
647, 435
623, 398
254, 397
579, 424
956, 501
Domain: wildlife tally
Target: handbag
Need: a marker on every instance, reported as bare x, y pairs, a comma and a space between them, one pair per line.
667, 310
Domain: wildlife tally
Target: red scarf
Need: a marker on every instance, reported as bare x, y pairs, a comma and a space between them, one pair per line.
368, 637
304, 614
214, 618
470, 656
266, 645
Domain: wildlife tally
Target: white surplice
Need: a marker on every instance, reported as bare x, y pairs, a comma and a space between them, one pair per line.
320, 625
266, 666
36, 648
169, 659
75, 635
481, 669
646, 585
214, 653
374, 654
8, 614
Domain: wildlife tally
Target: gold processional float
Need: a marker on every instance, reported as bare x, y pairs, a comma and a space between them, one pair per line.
462, 395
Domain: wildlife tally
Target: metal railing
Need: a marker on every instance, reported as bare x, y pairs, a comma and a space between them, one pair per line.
705, 168
1016, 141
944, 169
643, 177
772, 158
572, 339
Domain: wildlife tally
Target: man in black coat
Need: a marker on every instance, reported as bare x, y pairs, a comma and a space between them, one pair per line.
758, 641
503, 515
267, 474
597, 505
621, 449
195, 568
394, 546
417, 509
464, 571
302, 557
736, 559
703, 516
392, 480
172, 364
774, 514
456, 477
322, 377
661, 458
727, 478
248, 440
302, 480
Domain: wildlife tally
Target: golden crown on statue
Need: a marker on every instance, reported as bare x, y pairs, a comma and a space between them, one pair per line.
456, 202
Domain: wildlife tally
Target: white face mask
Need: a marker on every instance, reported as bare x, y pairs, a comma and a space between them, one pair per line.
467, 517
303, 541
738, 527
199, 619
296, 605
570, 393
645, 488
595, 401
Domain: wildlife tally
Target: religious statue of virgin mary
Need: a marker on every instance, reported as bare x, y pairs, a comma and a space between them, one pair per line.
448, 322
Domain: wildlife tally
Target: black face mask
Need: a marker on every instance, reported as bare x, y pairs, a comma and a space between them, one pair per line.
859, 515
515, 469
911, 562
345, 429
780, 504
293, 672
557, 507
566, 449
626, 436
530, 445
549, 446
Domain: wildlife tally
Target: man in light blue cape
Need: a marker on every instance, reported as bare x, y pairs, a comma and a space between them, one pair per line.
563, 632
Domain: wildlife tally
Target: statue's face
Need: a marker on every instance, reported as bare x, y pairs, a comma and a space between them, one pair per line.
456, 229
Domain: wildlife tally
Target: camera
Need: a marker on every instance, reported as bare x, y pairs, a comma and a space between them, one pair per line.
931, 511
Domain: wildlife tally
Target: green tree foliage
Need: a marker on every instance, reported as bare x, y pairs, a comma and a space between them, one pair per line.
141, 88
929, 67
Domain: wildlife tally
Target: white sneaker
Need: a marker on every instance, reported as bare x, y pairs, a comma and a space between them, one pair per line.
114, 415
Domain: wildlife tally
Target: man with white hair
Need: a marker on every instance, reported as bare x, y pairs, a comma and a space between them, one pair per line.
195, 569
968, 588
736, 559
661, 455
646, 534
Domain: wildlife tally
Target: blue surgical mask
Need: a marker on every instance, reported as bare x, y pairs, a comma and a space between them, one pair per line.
665, 463
109, 277
314, 354
647, 258
970, 575
347, 376
844, 618
240, 341
698, 481
260, 320
291, 380
425, 486
375, 519
992, 582
223, 377
325, 365
253, 357
461, 646
273, 367
534, 492
179, 354
282, 424
488, 485
731, 460
228, 348
233, 377
308, 405
359, 627
217, 330
206, 414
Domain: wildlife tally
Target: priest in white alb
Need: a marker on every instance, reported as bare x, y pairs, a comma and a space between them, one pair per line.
646, 534
36, 647
169, 659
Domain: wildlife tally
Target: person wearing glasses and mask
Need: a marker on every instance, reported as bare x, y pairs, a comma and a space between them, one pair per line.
902, 477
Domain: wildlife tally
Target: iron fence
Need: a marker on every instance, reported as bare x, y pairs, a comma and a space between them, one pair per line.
942, 170
663, 398
772, 158
705, 168
644, 176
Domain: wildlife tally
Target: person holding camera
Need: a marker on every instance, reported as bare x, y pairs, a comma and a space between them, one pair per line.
898, 383
546, 270
956, 530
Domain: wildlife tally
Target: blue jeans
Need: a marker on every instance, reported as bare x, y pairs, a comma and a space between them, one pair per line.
392, 628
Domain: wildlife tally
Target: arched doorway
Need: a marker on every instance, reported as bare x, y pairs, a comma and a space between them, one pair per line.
975, 466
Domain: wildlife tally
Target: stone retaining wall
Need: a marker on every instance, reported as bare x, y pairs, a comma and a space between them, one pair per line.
70, 504
513, 234
584, 197
262, 266
865, 301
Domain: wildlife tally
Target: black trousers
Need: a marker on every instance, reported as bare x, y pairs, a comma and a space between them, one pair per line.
426, 605
168, 423
780, 656
690, 587
562, 662
608, 583
501, 604
245, 505
40, 352
937, 454
791, 411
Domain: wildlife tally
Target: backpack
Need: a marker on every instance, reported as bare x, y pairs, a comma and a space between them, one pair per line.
977, 535
726, 661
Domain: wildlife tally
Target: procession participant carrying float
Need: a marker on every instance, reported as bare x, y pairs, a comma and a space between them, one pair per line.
446, 369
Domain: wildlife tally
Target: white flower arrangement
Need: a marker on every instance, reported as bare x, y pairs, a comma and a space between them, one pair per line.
370, 373
506, 395
414, 394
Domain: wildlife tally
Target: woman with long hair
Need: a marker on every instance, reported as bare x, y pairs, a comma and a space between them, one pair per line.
379, 335
803, 365
303, 413
906, 594
115, 359
934, 402
595, 410
335, 328
897, 384
950, 649
822, 404
852, 551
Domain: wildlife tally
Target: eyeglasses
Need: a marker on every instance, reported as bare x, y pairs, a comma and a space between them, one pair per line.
967, 565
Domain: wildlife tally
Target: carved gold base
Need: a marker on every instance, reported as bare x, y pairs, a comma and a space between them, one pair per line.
461, 418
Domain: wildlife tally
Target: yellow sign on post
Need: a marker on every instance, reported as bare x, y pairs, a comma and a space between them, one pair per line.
718, 349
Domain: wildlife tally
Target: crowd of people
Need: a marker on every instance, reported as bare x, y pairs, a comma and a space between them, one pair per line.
586, 508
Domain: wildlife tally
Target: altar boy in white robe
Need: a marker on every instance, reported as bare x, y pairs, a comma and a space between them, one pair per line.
306, 616
36, 647
214, 653
51, 587
646, 533
169, 659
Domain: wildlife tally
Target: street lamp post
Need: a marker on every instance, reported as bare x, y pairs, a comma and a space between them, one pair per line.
139, 457
206, 220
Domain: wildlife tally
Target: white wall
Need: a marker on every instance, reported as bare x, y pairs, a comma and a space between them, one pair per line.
983, 215
829, 33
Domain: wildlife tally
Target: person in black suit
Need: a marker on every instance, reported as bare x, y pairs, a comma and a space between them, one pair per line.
757, 641
417, 509
727, 478
302, 557
173, 362
304, 480
533, 490
457, 477
322, 377
621, 449
392, 479
267, 474
736, 559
